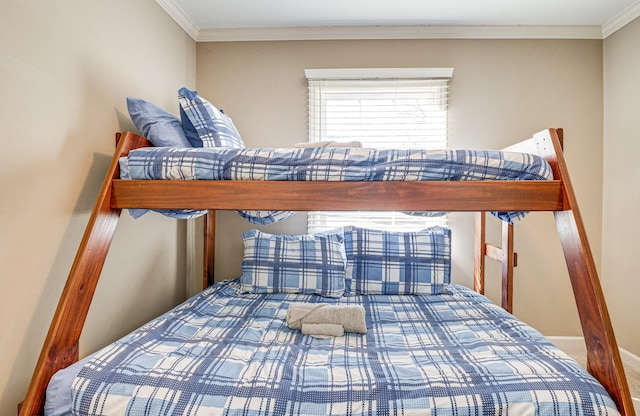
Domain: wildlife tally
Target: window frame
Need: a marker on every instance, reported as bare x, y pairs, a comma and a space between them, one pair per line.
323, 220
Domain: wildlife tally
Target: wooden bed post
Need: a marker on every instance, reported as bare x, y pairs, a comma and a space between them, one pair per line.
60, 347
508, 259
479, 251
209, 248
504, 255
603, 356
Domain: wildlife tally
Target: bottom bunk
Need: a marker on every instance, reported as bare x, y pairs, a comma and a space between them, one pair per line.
228, 352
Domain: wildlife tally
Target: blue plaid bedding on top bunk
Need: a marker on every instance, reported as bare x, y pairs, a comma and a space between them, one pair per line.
334, 164
224, 353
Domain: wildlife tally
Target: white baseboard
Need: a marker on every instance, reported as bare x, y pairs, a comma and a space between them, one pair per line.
577, 344
630, 359
568, 343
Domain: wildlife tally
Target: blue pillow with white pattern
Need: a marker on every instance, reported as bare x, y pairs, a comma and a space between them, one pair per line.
397, 263
311, 264
265, 217
160, 127
205, 125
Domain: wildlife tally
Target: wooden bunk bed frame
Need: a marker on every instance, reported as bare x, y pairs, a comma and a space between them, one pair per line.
60, 347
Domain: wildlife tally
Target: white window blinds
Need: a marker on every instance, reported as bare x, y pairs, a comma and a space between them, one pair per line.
382, 108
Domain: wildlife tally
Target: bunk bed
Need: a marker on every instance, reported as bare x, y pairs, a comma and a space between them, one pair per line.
60, 348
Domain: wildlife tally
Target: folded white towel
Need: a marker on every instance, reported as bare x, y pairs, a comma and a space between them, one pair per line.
350, 317
329, 143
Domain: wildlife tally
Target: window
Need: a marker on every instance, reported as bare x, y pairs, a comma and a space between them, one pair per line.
381, 108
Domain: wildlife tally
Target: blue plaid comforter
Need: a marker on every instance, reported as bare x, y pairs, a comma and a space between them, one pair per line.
334, 164
224, 353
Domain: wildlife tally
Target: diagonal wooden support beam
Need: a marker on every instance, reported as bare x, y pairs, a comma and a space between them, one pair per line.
603, 355
60, 348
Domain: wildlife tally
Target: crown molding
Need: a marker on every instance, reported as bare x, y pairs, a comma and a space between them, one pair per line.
626, 16
398, 32
180, 17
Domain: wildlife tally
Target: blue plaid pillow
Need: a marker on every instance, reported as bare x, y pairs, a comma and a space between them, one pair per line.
391, 263
205, 125
313, 263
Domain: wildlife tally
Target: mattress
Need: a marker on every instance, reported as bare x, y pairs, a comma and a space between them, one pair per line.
222, 352
330, 164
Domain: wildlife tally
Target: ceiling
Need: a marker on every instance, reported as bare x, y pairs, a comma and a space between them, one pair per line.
220, 20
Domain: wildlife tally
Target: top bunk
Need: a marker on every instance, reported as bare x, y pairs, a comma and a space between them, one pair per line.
452, 189
554, 193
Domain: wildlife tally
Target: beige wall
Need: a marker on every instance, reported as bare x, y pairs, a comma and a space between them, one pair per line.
621, 201
66, 68
501, 91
